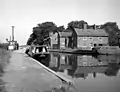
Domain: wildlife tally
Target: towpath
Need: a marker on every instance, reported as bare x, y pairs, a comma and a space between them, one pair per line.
24, 75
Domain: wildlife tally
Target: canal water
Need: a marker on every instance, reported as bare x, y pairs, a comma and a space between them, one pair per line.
89, 73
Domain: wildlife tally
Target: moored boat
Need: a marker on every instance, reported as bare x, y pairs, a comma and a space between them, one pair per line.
37, 51
75, 51
109, 50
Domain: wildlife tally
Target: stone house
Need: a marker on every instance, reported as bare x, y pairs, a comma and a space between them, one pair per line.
89, 37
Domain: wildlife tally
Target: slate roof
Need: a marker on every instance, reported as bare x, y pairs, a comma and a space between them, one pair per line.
65, 34
90, 32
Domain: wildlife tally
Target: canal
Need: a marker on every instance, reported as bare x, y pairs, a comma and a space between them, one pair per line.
89, 73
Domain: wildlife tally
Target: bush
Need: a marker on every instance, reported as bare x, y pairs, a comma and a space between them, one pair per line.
4, 45
4, 59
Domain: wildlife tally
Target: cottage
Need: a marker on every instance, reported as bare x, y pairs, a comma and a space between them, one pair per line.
64, 39
90, 37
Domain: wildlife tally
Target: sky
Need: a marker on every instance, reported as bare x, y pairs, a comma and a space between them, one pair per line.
26, 14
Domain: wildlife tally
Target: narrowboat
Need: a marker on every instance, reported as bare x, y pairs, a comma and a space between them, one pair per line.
75, 50
37, 51
109, 50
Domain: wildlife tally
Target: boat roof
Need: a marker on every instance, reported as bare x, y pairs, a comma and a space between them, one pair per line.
110, 47
39, 45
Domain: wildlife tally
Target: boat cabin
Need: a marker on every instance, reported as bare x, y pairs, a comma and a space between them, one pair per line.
36, 51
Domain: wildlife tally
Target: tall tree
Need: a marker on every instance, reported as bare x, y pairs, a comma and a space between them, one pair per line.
77, 24
41, 32
113, 31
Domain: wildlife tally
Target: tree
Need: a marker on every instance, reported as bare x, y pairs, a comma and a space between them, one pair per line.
77, 24
31, 39
113, 31
41, 32
61, 28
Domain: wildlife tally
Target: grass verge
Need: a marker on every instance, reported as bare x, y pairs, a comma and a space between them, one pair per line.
4, 59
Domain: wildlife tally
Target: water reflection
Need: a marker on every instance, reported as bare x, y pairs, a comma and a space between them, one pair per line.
80, 66
64, 87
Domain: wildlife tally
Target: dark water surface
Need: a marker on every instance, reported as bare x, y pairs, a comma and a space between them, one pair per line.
89, 73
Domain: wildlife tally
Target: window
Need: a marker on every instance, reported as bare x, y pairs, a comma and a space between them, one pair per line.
84, 38
95, 44
100, 38
100, 44
90, 37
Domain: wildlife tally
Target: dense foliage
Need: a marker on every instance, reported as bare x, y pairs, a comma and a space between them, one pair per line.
3, 46
77, 24
113, 31
41, 31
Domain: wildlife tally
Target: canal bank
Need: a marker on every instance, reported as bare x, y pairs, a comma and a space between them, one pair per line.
23, 74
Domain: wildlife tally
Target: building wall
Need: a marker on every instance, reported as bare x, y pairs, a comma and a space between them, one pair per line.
91, 41
76, 41
62, 43
54, 40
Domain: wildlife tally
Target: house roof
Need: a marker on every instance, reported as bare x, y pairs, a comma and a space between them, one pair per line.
65, 34
90, 32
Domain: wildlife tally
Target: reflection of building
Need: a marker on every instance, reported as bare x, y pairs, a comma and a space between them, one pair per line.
84, 71
82, 66
109, 58
54, 62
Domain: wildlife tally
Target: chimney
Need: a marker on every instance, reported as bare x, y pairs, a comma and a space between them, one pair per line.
95, 27
85, 26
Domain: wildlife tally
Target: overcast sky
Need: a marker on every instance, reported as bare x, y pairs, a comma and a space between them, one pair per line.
26, 14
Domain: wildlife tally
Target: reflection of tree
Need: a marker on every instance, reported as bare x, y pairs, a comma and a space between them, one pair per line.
112, 70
